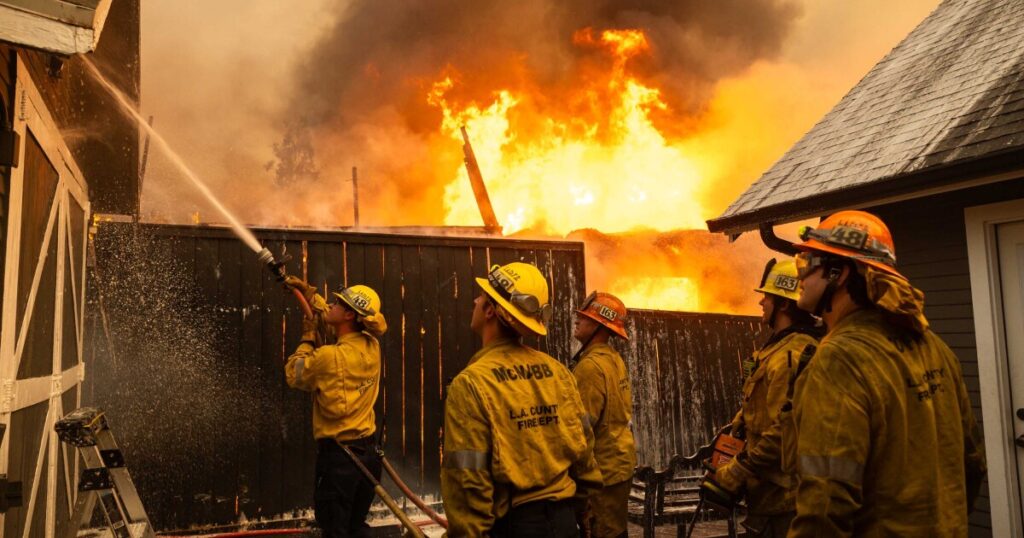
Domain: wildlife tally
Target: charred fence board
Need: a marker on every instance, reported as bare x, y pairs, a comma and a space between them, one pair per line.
686, 375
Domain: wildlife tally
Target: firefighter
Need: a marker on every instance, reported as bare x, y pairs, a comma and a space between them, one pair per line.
886, 443
758, 468
604, 386
518, 451
343, 378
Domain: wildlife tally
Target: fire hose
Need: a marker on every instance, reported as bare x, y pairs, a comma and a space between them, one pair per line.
440, 520
277, 267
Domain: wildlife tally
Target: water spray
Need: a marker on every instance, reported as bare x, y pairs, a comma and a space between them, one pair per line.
128, 108
275, 265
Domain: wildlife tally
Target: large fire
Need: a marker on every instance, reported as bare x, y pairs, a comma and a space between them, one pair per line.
626, 138
596, 155
659, 293
604, 164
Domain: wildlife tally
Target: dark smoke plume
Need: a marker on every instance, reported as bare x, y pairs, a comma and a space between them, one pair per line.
362, 88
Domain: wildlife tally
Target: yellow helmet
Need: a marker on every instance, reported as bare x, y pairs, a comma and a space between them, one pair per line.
780, 279
522, 293
361, 298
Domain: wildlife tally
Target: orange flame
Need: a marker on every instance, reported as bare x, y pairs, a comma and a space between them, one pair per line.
658, 293
605, 165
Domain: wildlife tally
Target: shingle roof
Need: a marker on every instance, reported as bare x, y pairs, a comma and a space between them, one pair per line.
950, 93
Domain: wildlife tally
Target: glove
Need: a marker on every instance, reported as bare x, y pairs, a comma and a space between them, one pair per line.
733, 475
713, 492
297, 283
309, 330
374, 324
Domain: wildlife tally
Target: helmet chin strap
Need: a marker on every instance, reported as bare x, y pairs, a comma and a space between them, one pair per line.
505, 318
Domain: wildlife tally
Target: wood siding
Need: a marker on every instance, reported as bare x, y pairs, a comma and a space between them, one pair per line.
7, 67
931, 249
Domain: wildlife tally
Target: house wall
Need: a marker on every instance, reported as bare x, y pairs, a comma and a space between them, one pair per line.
44, 236
105, 145
931, 249
7, 67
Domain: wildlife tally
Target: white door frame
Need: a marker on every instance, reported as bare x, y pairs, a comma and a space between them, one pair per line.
993, 370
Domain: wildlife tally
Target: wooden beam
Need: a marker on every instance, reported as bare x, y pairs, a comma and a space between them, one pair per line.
53, 25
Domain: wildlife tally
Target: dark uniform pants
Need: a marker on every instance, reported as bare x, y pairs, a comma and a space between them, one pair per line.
541, 519
343, 495
610, 506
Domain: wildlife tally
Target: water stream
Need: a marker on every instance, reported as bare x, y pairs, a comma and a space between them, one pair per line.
128, 108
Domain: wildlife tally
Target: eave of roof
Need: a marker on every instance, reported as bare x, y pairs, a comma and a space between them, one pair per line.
943, 110
62, 27
991, 167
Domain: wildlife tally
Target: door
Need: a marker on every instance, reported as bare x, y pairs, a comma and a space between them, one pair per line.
1010, 241
43, 314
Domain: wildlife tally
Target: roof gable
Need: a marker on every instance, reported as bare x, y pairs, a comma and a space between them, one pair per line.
952, 91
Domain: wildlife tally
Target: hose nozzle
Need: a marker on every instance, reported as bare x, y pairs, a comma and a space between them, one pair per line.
276, 266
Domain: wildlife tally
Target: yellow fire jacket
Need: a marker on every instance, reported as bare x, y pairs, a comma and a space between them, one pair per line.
515, 432
603, 381
887, 442
344, 379
759, 467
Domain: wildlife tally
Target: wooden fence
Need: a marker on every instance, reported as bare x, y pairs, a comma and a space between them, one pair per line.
686, 374
192, 377
187, 333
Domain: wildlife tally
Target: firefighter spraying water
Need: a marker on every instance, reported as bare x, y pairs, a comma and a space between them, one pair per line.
330, 335
323, 323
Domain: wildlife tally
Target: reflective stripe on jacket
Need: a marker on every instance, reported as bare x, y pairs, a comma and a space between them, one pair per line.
515, 432
344, 379
886, 436
604, 387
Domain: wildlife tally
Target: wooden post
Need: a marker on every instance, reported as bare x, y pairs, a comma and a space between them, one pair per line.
355, 195
476, 180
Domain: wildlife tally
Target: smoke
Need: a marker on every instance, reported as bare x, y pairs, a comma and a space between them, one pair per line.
360, 92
